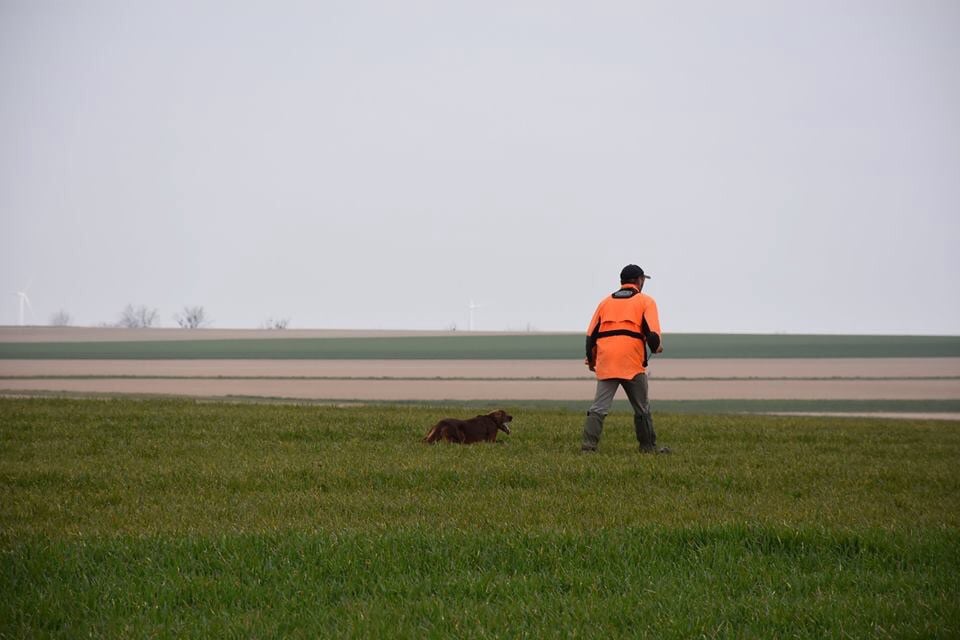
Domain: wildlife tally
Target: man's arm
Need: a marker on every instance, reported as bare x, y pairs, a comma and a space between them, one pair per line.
591, 359
591, 342
651, 327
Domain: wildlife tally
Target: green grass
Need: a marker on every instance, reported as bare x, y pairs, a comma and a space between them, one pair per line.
535, 346
171, 518
739, 405
723, 582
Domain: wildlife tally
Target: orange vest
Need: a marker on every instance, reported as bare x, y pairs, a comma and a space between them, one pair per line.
618, 328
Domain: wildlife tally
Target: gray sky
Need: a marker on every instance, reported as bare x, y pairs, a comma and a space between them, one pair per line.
776, 166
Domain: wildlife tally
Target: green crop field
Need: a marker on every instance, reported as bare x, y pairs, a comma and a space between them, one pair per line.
174, 519
533, 346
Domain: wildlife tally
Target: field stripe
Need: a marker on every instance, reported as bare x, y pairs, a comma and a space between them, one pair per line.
483, 347
494, 369
505, 390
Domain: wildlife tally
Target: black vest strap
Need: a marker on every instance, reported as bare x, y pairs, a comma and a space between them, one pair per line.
620, 332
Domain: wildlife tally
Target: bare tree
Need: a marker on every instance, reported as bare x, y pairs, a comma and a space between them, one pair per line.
138, 317
61, 319
272, 323
192, 318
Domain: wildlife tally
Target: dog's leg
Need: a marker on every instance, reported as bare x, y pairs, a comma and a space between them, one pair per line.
431, 436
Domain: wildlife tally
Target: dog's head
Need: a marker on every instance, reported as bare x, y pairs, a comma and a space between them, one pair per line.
502, 418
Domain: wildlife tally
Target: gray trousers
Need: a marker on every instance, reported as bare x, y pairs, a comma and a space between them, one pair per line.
636, 391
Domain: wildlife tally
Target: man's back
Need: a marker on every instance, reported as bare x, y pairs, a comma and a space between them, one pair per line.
621, 327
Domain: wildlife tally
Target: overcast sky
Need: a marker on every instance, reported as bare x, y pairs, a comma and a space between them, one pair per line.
776, 166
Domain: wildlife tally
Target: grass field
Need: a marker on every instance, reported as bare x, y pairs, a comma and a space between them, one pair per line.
533, 346
163, 518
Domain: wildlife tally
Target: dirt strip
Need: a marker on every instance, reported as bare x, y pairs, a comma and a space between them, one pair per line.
503, 390
876, 414
528, 369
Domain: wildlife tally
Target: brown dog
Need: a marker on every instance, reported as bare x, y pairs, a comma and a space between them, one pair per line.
478, 429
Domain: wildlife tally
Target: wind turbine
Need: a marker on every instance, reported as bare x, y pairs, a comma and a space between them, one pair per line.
24, 300
471, 307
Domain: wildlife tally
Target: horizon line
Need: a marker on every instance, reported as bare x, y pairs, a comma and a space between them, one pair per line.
443, 332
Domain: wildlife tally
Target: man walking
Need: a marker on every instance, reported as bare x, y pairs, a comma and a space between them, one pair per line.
623, 326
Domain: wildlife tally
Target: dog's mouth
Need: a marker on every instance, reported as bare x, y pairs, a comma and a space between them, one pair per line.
505, 427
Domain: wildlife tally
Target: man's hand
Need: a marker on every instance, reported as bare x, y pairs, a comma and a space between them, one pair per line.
590, 365
659, 348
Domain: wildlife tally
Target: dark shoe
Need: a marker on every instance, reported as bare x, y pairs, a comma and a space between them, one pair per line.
656, 451
587, 450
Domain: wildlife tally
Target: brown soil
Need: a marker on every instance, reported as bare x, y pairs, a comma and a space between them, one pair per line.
399, 389
893, 368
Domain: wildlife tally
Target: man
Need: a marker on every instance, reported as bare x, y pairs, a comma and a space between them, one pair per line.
623, 326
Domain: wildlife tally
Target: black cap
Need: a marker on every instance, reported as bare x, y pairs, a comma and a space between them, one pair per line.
632, 272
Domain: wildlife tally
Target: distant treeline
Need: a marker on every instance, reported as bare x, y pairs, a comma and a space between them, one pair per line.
487, 347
